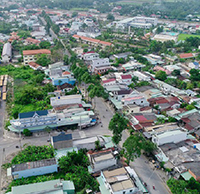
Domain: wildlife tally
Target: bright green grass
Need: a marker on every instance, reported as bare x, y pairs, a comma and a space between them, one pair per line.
79, 9
184, 36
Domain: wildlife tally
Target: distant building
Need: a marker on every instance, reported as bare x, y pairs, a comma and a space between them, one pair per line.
31, 55
34, 119
7, 52
101, 160
62, 141
35, 66
100, 65
34, 168
165, 37
118, 181
65, 100
173, 136
54, 186
92, 41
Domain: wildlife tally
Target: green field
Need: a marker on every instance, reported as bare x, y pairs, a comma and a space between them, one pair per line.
184, 36
136, 2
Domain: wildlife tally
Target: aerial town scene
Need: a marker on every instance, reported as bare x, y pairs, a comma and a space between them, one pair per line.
100, 96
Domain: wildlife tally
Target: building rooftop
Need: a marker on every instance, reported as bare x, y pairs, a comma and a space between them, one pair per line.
118, 179
50, 187
35, 164
36, 52
62, 137
33, 113
7, 49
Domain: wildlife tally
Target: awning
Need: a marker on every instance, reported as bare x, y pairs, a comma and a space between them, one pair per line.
186, 176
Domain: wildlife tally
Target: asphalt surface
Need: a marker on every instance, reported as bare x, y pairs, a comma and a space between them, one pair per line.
147, 173
105, 113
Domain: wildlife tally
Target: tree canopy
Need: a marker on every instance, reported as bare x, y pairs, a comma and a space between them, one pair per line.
161, 75
134, 145
117, 124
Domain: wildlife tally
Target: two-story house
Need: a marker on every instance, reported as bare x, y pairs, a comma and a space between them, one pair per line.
31, 55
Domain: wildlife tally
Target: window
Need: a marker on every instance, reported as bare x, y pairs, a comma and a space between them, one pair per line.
131, 191
141, 101
124, 192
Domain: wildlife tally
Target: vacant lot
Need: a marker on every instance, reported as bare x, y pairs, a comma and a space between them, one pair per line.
184, 36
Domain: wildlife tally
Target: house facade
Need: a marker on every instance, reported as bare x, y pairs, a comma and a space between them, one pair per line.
118, 181
34, 119
31, 55
34, 168
101, 160
62, 141
7, 52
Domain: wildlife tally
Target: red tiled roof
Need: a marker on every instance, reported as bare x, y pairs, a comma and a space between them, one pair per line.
186, 55
140, 118
137, 127
35, 52
66, 73
32, 40
92, 40
33, 64
126, 76
145, 108
147, 124
108, 80
162, 101
186, 120
188, 127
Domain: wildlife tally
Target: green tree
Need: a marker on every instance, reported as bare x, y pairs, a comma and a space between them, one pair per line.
134, 145
97, 145
176, 72
66, 59
74, 14
117, 124
194, 75
43, 60
189, 107
161, 75
27, 132
110, 17
45, 45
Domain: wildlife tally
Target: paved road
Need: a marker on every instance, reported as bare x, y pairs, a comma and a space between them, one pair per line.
146, 173
143, 169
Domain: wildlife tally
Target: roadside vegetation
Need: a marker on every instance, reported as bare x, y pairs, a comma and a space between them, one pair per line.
29, 93
73, 167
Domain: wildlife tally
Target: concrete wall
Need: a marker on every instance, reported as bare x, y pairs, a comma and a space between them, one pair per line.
104, 164
35, 171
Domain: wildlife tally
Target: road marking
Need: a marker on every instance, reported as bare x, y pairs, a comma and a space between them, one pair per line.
82, 134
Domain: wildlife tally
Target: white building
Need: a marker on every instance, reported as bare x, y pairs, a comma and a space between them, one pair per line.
90, 56
165, 37
65, 100
141, 76
118, 181
173, 136
101, 160
135, 98
31, 55
137, 22
100, 65
7, 52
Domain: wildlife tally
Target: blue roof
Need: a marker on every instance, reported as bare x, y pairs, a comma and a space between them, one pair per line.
62, 137
195, 63
31, 114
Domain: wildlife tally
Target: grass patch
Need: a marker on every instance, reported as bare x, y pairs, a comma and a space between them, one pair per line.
184, 36
78, 9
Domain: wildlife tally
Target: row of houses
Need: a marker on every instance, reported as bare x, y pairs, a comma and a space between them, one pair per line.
67, 111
